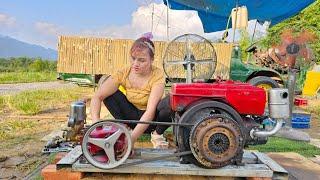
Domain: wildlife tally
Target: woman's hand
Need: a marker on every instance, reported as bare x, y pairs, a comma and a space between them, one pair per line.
106, 89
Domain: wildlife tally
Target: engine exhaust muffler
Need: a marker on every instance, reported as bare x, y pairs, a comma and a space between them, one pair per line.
278, 110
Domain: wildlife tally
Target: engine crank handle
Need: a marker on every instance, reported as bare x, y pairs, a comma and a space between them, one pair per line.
148, 122
156, 158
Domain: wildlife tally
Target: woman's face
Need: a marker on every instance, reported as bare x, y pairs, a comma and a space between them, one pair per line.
141, 61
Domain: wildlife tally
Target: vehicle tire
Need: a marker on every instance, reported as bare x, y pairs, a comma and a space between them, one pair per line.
264, 82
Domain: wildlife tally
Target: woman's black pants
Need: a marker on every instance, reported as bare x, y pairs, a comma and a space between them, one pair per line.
120, 108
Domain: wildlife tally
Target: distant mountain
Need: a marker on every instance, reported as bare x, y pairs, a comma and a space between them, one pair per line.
10, 47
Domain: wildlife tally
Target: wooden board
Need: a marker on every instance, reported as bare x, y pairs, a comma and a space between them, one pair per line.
175, 168
255, 165
70, 158
279, 172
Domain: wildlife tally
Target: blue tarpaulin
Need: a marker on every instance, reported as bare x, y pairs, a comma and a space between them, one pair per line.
214, 14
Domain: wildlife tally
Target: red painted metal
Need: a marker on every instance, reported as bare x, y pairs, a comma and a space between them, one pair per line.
104, 132
243, 97
300, 101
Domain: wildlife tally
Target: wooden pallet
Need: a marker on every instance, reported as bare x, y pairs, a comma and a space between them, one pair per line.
256, 164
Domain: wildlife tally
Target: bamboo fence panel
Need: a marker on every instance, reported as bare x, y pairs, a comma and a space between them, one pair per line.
223, 52
88, 55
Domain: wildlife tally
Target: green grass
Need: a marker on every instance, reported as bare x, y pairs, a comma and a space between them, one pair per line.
2, 103
314, 109
34, 102
50, 160
276, 144
26, 77
144, 138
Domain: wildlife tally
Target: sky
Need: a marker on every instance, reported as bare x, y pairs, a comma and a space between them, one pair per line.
41, 22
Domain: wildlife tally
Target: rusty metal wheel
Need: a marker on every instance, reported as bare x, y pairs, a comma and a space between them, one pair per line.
216, 141
197, 113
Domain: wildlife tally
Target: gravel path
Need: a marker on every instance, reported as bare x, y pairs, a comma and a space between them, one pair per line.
19, 87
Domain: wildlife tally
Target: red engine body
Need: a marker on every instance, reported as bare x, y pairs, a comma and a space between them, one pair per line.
243, 97
104, 132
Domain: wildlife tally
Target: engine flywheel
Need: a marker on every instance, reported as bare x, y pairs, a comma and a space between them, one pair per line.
216, 141
106, 144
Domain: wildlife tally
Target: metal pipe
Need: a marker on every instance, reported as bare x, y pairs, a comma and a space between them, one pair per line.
189, 70
235, 24
167, 20
251, 41
254, 133
152, 18
291, 87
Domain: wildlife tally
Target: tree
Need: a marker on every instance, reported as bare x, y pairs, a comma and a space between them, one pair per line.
37, 66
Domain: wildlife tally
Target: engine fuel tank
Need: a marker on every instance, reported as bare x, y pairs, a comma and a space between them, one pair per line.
243, 97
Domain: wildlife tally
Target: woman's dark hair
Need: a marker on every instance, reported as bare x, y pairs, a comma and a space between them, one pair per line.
143, 43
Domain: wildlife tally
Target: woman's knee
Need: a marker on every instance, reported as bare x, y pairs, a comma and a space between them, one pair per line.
164, 104
115, 97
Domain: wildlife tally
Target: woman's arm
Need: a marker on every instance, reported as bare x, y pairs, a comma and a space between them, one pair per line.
149, 114
107, 88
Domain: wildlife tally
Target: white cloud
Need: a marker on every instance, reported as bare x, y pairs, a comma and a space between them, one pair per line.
110, 32
180, 22
48, 28
7, 21
49, 33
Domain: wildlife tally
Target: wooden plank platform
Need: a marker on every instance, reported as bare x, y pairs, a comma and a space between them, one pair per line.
175, 168
255, 165
70, 158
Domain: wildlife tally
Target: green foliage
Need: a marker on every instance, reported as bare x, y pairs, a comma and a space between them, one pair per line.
25, 77
24, 70
306, 19
24, 64
276, 144
244, 43
144, 138
37, 65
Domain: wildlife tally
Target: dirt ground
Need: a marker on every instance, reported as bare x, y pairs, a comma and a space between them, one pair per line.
314, 131
20, 152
